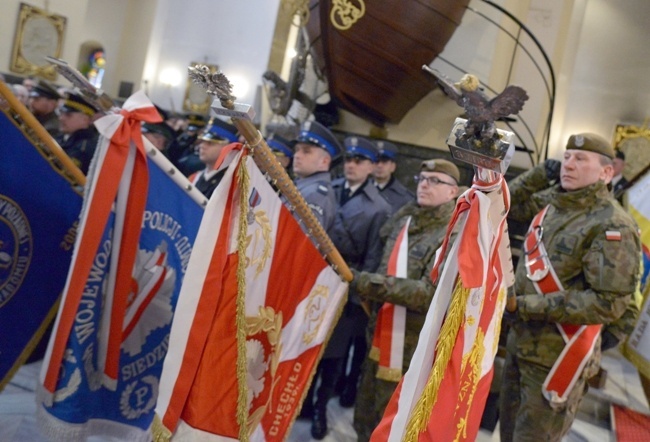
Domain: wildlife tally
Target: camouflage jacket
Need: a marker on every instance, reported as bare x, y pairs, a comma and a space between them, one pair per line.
598, 275
426, 233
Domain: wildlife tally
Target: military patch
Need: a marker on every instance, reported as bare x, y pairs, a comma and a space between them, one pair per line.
418, 252
322, 189
613, 235
566, 244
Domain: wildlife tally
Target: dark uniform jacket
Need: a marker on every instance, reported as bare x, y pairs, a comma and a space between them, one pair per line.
207, 186
396, 194
317, 192
80, 146
51, 123
356, 227
599, 273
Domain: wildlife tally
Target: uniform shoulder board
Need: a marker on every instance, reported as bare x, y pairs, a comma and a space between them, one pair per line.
322, 189
613, 235
316, 208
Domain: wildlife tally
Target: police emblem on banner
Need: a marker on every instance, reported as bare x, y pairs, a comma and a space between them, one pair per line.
16, 248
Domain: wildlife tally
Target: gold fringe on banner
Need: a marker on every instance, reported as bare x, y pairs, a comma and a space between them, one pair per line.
243, 184
159, 433
419, 418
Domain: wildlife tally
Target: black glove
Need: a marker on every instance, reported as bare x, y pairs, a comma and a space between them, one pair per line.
552, 168
355, 278
608, 340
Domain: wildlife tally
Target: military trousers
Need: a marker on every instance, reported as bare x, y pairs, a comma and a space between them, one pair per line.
372, 399
524, 414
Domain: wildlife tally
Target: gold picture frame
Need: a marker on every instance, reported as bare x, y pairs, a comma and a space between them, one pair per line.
197, 100
38, 34
634, 142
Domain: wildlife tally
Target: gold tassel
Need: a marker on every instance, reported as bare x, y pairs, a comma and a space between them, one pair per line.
159, 433
419, 418
243, 183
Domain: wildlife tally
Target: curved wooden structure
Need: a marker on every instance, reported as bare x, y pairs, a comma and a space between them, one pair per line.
372, 52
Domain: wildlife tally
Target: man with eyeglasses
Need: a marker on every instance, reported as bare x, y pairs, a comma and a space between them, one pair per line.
427, 219
577, 276
361, 213
383, 175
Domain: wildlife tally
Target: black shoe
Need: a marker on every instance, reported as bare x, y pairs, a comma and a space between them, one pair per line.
348, 396
319, 423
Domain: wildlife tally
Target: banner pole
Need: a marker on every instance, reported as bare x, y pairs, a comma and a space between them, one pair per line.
219, 85
44, 136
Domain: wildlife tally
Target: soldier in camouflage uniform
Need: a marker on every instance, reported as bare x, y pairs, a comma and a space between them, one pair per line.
429, 218
594, 248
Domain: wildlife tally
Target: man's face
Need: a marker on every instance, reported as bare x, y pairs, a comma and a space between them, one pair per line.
209, 151
70, 122
42, 105
433, 195
308, 159
619, 165
581, 168
158, 140
357, 169
384, 169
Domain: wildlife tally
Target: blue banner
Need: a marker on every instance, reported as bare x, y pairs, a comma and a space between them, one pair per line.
39, 208
83, 405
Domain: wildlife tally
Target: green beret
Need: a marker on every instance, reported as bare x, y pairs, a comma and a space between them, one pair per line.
442, 166
592, 143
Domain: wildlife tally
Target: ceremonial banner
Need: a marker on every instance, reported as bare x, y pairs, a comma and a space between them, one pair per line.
442, 395
101, 371
637, 347
254, 314
39, 207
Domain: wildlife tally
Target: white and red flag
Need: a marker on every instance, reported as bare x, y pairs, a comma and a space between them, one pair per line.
442, 395
388, 340
254, 314
136, 230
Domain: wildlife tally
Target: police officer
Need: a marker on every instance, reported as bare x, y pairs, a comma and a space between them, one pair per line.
580, 269
428, 218
281, 148
389, 187
315, 149
161, 134
78, 136
361, 213
217, 135
43, 102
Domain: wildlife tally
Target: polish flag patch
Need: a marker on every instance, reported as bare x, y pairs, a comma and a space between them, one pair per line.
613, 235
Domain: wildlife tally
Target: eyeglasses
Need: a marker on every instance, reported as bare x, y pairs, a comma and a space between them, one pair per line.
431, 180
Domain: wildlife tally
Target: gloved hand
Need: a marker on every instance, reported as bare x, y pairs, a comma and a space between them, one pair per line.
608, 340
552, 168
355, 278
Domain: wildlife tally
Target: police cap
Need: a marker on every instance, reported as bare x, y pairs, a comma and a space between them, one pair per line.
314, 133
387, 150
360, 147
218, 130
45, 90
75, 102
280, 146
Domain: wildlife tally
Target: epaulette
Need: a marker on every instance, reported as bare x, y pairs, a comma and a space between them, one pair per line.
322, 189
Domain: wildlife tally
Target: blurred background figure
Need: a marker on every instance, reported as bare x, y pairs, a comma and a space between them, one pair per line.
217, 135
43, 102
282, 149
21, 92
78, 136
389, 187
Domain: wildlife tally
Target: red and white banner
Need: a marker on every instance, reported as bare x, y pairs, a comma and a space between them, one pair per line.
388, 340
255, 311
442, 395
